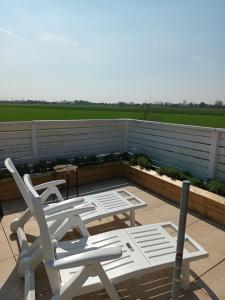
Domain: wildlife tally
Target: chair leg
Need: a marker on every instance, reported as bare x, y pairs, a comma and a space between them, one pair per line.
72, 288
110, 289
185, 275
29, 286
82, 228
132, 218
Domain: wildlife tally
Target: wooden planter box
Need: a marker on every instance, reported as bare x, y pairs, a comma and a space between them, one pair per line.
9, 190
207, 204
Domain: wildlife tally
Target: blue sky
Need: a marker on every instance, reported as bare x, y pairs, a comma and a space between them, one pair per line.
110, 50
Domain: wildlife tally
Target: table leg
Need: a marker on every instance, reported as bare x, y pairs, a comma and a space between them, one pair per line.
67, 186
77, 183
132, 218
54, 178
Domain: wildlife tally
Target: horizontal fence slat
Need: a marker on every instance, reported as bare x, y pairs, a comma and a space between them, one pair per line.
220, 175
168, 134
77, 123
221, 159
14, 135
164, 142
221, 151
80, 152
14, 126
74, 131
77, 137
221, 167
166, 161
170, 155
176, 128
172, 148
13, 142
82, 143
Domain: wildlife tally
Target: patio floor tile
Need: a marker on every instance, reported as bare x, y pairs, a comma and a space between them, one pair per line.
212, 239
7, 219
213, 281
151, 200
6, 251
6, 267
12, 239
170, 212
12, 286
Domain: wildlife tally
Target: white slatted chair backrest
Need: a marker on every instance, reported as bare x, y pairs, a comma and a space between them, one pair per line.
46, 241
20, 183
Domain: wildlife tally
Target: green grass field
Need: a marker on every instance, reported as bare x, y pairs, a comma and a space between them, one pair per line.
211, 117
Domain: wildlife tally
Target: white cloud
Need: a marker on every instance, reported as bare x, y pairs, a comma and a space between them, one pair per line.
7, 32
196, 57
51, 37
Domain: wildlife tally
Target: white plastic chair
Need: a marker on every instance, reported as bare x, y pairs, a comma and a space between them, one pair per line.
63, 216
88, 264
50, 188
106, 204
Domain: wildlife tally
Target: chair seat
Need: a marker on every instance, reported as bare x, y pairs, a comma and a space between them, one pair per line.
111, 203
144, 249
108, 204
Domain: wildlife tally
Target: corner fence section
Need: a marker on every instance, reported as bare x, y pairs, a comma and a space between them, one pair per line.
199, 150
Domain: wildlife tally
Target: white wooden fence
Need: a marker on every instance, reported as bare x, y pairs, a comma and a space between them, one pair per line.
200, 150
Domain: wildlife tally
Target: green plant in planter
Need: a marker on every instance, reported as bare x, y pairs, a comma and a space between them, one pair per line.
133, 159
140, 159
23, 169
76, 160
92, 160
197, 182
42, 166
144, 162
171, 172
216, 186
112, 157
4, 174
82, 161
60, 161
180, 175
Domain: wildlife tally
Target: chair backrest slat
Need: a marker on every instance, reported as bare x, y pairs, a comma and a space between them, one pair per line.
20, 183
47, 243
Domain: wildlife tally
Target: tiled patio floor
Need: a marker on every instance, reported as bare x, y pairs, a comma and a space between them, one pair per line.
207, 275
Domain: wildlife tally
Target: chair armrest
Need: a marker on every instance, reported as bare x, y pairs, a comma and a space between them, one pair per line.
49, 184
63, 205
86, 258
69, 212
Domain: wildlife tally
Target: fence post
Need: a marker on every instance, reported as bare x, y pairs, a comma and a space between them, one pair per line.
213, 154
125, 136
34, 141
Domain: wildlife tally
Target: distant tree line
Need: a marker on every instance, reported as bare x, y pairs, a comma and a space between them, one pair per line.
216, 104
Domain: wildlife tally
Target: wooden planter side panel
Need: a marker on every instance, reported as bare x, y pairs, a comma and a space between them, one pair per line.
9, 190
95, 173
152, 183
